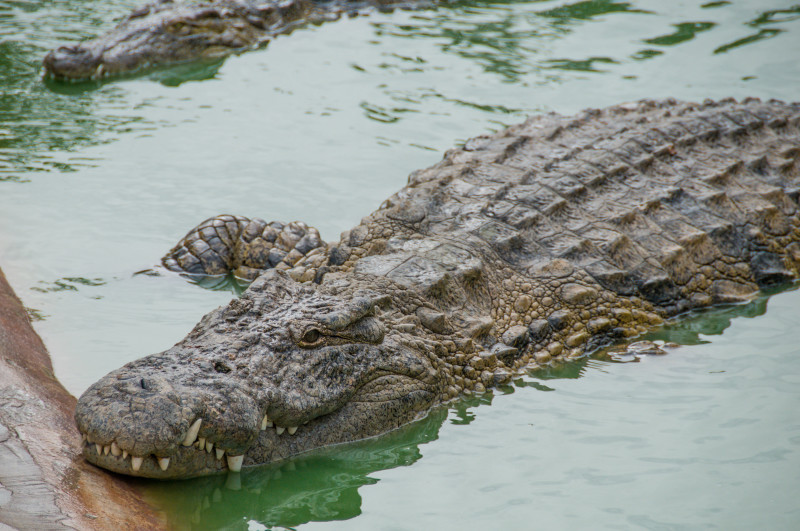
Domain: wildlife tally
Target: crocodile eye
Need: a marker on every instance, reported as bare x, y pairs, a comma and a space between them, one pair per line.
311, 336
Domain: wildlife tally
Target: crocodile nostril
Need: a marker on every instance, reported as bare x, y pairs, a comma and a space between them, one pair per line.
221, 367
145, 384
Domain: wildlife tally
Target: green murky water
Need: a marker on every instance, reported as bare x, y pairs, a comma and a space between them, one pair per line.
96, 182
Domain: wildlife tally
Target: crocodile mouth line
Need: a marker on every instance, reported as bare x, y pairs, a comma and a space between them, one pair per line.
204, 448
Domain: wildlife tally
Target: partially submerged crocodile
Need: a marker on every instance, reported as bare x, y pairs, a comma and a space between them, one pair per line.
540, 242
165, 33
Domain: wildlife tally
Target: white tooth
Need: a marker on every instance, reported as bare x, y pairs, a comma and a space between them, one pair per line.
124, 454
136, 463
209, 446
106, 449
98, 448
220, 453
291, 429
201, 443
280, 429
191, 435
235, 462
264, 423
163, 462
115, 451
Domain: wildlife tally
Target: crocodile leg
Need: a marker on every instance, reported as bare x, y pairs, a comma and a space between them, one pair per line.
242, 246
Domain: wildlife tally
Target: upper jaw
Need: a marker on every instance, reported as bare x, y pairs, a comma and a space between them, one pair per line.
74, 63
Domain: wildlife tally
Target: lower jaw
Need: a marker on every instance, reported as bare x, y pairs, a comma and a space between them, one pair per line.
186, 463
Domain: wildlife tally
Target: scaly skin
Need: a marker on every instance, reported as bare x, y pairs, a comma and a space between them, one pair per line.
541, 242
166, 33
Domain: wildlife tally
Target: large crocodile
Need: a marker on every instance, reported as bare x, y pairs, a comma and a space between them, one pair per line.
165, 33
541, 242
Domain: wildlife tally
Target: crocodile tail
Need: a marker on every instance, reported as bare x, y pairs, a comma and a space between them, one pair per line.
241, 246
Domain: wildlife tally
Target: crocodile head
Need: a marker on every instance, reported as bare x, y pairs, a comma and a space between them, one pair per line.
285, 369
165, 33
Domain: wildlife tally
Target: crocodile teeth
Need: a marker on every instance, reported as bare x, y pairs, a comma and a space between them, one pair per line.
136, 463
291, 429
280, 429
264, 423
124, 454
191, 435
201, 443
106, 449
235, 462
209, 446
98, 448
220, 453
163, 462
115, 451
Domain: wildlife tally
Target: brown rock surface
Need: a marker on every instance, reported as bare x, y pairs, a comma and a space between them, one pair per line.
44, 482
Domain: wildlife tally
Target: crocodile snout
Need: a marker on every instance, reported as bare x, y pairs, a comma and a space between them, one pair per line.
73, 63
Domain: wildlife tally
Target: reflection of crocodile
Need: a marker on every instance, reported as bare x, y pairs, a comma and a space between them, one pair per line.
320, 487
167, 32
539, 242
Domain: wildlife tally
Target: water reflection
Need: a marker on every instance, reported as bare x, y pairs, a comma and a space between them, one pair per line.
171, 77
567, 15
504, 37
322, 486
585, 65
43, 122
35, 121
38, 122
767, 17
765, 33
776, 15
687, 329
683, 32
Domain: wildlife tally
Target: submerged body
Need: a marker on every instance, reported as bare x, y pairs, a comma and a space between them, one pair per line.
543, 241
166, 33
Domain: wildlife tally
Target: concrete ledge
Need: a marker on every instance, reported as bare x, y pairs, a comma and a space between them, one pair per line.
44, 482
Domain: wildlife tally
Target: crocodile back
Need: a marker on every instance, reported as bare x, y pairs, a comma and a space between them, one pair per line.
682, 204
